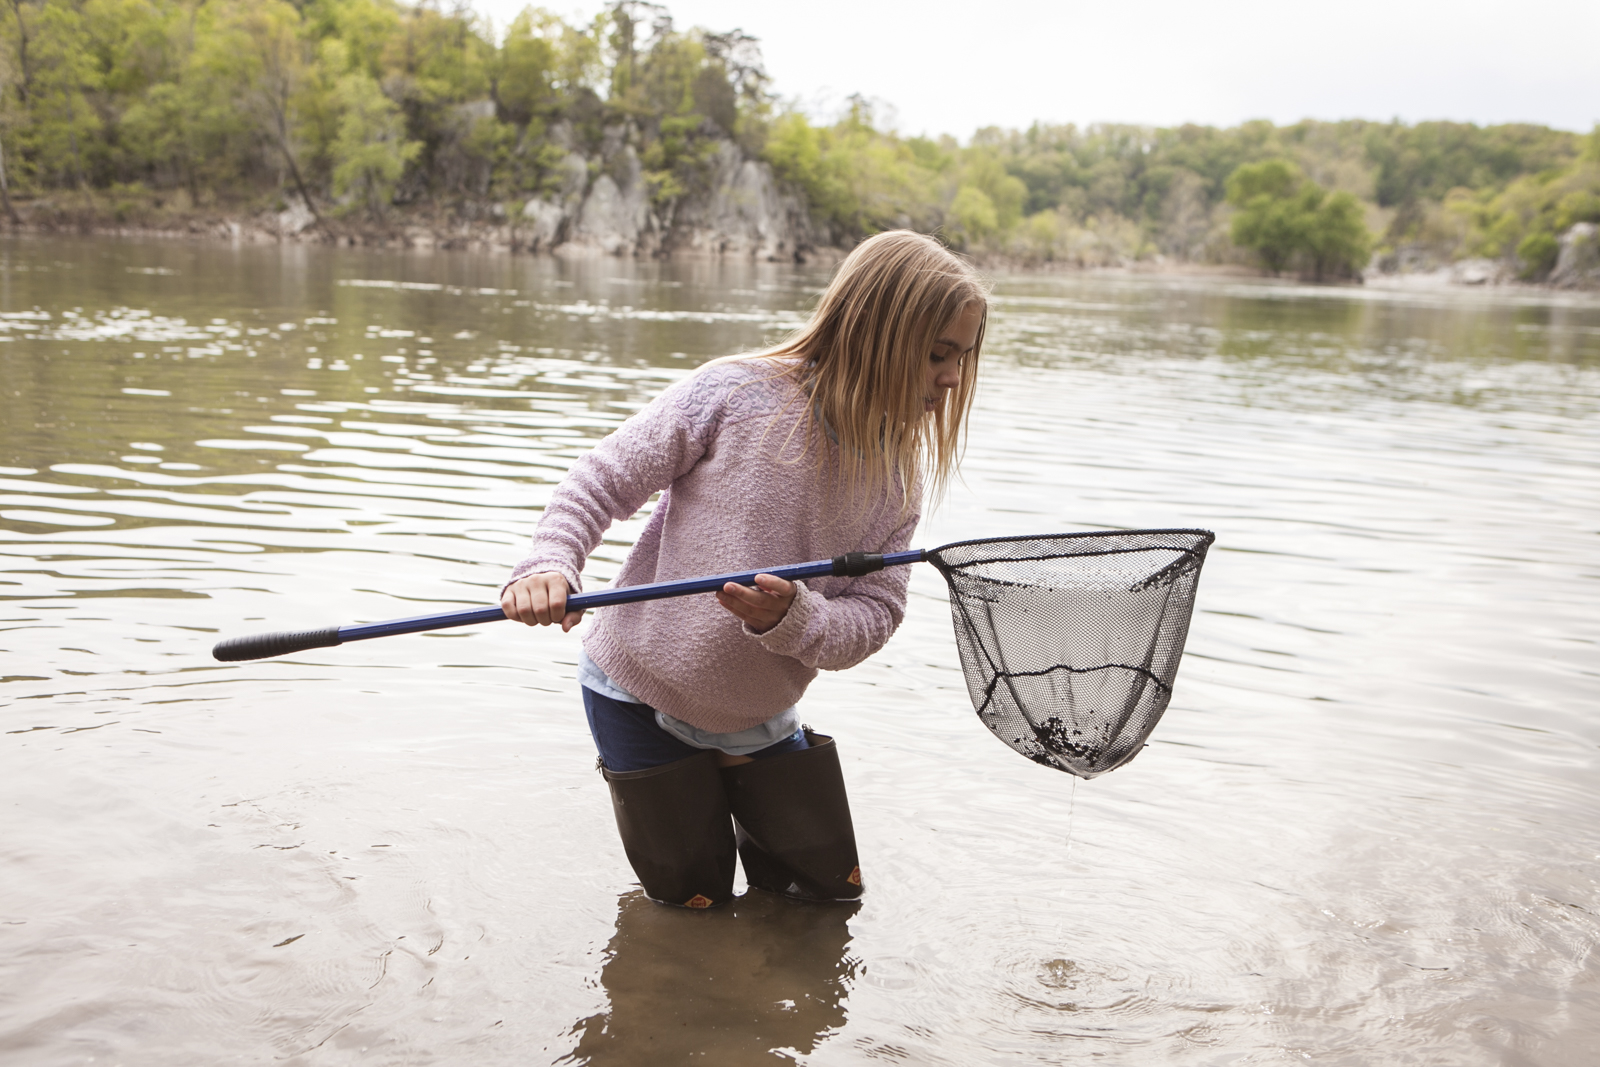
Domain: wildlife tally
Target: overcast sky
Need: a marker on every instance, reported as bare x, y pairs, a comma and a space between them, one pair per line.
953, 67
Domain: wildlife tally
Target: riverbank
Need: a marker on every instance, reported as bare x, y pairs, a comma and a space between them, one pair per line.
471, 228
491, 229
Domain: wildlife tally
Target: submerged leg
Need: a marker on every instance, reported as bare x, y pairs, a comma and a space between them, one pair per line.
793, 822
675, 827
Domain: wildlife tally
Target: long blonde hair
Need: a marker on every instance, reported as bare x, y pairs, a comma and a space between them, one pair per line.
863, 356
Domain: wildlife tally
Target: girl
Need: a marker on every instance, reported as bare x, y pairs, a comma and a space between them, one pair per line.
812, 449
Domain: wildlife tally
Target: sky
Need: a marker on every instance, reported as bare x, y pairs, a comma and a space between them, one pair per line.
945, 67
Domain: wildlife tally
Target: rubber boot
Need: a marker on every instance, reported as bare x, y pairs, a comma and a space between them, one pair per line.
792, 823
675, 829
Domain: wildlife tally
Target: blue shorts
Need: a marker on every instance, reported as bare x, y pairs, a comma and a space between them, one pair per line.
630, 740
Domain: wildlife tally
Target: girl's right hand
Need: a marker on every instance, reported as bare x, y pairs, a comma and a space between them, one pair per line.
539, 600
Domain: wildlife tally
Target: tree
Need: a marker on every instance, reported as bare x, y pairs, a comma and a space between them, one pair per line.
256, 46
524, 86
974, 214
1528, 216
1287, 218
625, 17
61, 74
983, 172
1337, 240
371, 151
1270, 218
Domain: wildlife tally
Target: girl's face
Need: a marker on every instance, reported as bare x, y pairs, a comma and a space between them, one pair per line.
954, 344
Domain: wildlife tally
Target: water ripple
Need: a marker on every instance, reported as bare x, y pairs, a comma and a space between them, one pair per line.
1365, 828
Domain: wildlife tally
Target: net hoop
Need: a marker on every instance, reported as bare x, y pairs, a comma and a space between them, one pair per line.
1070, 643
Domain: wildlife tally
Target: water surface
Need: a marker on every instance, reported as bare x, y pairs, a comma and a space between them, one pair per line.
1367, 831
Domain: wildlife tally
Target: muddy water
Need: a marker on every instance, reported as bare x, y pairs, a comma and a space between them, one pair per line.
1367, 831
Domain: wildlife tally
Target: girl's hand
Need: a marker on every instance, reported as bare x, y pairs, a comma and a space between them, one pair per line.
760, 608
539, 600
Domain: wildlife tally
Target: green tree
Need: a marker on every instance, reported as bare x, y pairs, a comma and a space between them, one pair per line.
1337, 239
1537, 253
974, 214
64, 128
1527, 217
365, 28
253, 50
525, 77
371, 151
1271, 218
858, 178
982, 170
1286, 218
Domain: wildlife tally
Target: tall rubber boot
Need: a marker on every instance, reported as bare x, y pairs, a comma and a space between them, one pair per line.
676, 831
792, 823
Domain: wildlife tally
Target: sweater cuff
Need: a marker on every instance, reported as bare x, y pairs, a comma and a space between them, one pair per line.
539, 566
789, 636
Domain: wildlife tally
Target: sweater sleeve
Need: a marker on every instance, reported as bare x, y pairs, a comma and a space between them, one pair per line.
645, 455
838, 632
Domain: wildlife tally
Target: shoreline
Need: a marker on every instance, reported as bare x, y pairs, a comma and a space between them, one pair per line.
419, 232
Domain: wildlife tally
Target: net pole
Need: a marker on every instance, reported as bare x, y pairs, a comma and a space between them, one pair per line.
262, 646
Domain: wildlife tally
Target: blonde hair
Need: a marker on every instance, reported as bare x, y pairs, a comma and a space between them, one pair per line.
863, 358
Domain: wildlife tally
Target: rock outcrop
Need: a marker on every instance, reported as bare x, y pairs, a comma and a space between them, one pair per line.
1578, 263
294, 219
1480, 272
614, 216
598, 203
1577, 266
603, 207
550, 217
743, 212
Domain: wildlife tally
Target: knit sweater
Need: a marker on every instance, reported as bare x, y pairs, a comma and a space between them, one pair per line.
726, 450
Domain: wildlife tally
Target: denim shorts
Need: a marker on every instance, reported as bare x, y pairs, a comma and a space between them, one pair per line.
630, 740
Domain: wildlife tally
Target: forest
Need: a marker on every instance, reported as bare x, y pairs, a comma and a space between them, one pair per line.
368, 111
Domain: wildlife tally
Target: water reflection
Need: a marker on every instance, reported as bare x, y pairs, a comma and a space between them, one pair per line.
760, 980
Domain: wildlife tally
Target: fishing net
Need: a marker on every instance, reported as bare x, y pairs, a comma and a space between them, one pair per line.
1070, 642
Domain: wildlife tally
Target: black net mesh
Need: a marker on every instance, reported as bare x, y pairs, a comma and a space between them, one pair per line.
1071, 642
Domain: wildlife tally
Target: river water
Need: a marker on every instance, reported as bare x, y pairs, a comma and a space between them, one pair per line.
1368, 830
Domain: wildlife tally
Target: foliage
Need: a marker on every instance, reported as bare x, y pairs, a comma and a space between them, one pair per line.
1286, 218
1527, 217
368, 103
370, 152
1429, 159
1272, 219
858, 179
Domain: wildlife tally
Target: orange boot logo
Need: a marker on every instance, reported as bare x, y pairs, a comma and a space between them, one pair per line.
698, 901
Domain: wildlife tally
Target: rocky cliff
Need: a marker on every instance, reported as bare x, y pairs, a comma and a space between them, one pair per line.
1578, 264
602, 206
597, 203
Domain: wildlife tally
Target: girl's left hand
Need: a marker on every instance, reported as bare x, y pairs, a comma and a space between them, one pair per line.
760, 608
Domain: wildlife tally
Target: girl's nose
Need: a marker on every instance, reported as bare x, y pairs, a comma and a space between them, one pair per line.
948, 377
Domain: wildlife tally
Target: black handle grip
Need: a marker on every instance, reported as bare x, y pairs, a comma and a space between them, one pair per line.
261, 646
855, 564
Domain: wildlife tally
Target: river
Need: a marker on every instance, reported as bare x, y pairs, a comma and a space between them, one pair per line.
1367, 831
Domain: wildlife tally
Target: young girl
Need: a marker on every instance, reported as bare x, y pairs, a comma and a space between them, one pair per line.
815, 448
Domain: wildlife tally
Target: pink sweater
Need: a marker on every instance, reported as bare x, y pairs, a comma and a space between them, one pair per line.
736, 494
